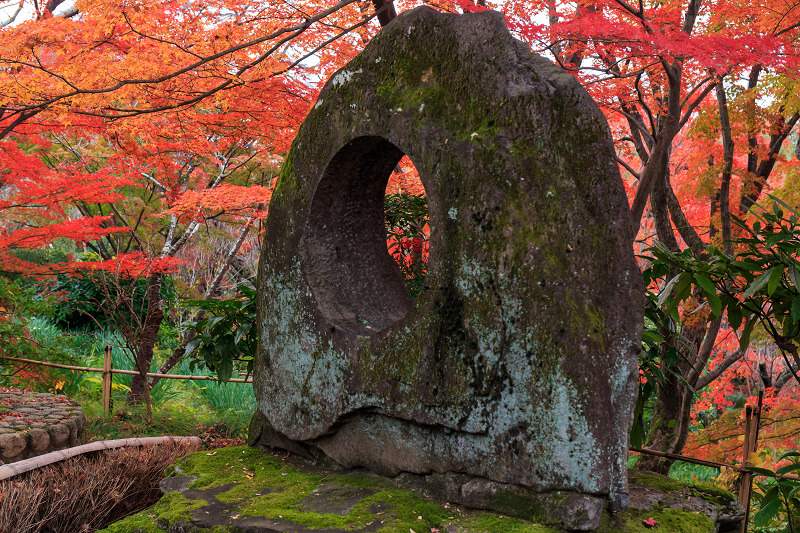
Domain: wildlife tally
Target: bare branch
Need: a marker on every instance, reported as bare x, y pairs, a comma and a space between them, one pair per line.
628, 167
711, 375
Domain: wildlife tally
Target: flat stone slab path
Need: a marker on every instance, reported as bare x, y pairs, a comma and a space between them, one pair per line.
35, 423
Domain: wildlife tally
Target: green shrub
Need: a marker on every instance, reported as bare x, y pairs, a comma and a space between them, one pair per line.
84, 302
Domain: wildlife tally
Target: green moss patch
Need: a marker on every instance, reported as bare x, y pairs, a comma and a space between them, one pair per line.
634, 521
249, 486
710, 493
240, 488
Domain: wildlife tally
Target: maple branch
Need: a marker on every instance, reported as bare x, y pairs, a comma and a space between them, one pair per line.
21, 117
784, 378
158, 40
324, 44
724, 189
638, 128
697, 87
640, 98
638, 13
153, 180
766, 165
788, 28
237, 167
653, 172
692, 10
697, 101
131, 112
704, 352
126, 224
294, 30
628, 167
682, 224
711, 375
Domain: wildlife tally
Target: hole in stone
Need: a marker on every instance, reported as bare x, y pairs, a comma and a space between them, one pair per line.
358, 285
407, 225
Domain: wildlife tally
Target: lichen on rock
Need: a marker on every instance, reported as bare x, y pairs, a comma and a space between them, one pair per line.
517, 361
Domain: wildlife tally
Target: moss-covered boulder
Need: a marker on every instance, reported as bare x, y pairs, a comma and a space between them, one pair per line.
516, 363
241, 490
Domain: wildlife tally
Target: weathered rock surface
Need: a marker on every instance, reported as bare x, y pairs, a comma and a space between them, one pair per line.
517, 361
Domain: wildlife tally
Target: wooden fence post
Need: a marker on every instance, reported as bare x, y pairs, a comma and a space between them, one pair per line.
107, 380
751, 424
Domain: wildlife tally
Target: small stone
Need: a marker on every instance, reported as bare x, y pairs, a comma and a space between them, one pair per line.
59, 435
39, 440
73, 432
12, 444
177, 483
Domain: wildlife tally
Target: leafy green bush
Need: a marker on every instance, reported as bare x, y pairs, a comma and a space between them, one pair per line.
225, 336
84, 302
778, 498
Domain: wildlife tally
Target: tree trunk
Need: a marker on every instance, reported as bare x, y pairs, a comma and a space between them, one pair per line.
669, 426
140, 390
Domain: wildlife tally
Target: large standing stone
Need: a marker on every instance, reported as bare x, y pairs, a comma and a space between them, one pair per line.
517, 362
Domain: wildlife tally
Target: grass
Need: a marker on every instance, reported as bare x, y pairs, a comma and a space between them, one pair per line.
233, 403
693, 473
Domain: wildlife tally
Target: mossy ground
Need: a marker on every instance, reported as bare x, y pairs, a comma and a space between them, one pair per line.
252, 483
666, 520
706, 491
290, 482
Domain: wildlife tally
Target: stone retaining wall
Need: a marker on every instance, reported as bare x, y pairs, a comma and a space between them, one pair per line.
34, 423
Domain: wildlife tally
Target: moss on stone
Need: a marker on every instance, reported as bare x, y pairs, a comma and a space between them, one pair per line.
632, 521
263, 485
708, 492
511, 321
